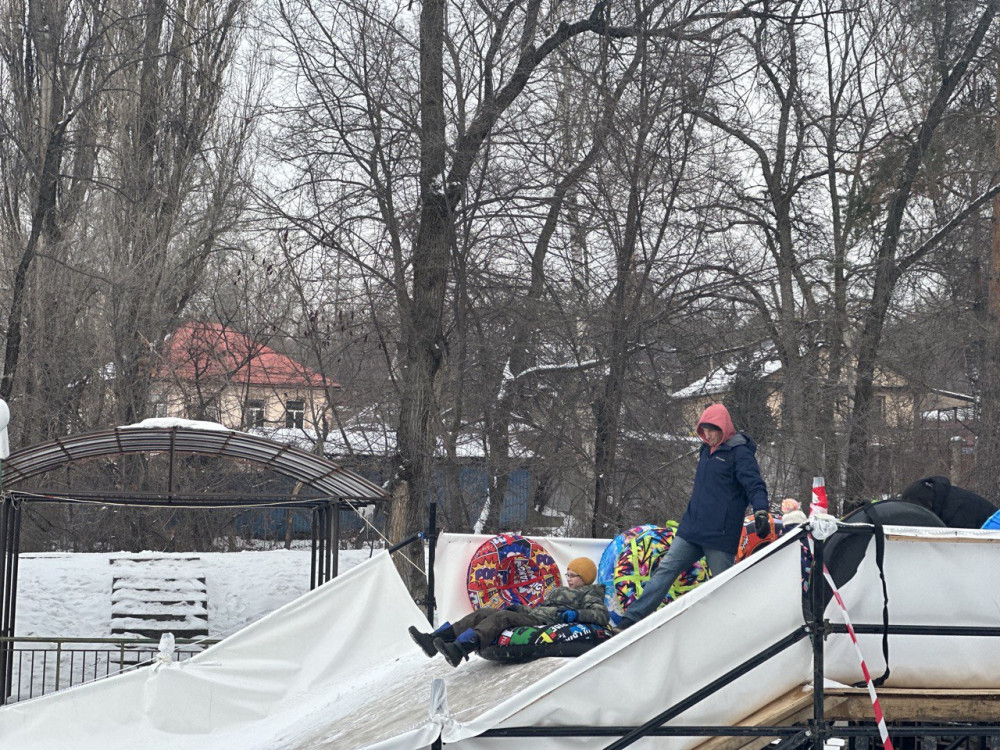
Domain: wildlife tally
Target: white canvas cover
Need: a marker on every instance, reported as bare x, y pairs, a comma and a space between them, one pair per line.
336, 669
4, 421
935, 576
257, 689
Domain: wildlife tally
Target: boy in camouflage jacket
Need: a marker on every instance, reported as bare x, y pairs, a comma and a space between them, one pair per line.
580, 600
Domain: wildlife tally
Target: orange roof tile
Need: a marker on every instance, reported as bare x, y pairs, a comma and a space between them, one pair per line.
210, 351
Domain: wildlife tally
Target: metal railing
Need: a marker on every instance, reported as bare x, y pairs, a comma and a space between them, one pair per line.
45, 665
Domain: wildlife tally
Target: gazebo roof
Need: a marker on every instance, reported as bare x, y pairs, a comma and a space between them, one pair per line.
205, 438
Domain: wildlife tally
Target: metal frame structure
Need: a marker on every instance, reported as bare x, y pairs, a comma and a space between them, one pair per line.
819, 728
336, 489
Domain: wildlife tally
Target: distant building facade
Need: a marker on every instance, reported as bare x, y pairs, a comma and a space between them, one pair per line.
210, 372
898, 403
916, 430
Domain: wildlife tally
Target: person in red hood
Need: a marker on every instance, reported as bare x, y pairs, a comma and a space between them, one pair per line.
726, 480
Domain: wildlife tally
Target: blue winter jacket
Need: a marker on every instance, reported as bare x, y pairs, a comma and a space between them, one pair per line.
725, 482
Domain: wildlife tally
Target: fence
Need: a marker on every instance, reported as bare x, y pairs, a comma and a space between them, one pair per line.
45, 665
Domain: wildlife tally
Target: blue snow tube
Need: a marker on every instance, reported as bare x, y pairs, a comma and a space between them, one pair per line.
993, 522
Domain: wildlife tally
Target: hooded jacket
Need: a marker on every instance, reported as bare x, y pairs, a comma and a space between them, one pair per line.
957, 507
726, 480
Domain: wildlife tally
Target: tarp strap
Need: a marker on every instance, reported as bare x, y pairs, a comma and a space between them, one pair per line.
873, 516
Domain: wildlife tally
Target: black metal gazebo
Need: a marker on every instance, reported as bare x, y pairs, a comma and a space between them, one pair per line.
333, 488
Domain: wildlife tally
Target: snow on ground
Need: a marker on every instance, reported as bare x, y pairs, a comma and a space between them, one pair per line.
66, 595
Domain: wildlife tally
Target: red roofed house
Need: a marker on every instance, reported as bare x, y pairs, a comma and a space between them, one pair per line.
210, 372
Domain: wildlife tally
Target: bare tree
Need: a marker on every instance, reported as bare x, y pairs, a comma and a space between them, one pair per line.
958, 40
54, 71
173, 168
124, 173
653, 238
816, 124
445, 169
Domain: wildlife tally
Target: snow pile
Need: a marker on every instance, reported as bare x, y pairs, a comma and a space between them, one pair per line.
68, 595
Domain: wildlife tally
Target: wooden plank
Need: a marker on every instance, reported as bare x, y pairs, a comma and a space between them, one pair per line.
785, 711
903, 704
853, 704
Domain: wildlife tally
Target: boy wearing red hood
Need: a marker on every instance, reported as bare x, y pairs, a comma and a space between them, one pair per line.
726, 481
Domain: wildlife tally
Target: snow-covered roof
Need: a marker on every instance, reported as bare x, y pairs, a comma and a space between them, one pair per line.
191, 424
720, 380
953, 414
954, 394
373, 440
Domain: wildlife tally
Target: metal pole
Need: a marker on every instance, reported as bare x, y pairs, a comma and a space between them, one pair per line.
12, 619
312, 556
324, 519
324, 563
6, 660
432, 535
816, 633
331, 508
170, 465
321, 547
336, 539
10, 530
406, 542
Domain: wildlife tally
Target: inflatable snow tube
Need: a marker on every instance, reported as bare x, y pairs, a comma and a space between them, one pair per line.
993, 522
535, 641
844, 551
639, 550
510, 569
609, 558
750, 542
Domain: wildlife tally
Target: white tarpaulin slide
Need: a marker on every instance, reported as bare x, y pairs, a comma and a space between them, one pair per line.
336, 669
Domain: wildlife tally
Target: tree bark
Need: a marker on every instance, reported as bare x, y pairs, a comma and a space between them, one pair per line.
423, 338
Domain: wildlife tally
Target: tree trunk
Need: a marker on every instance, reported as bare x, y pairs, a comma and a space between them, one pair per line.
423, 340
42, 216
988, 438
607, 411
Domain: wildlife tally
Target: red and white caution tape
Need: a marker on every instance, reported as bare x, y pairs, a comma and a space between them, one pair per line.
879, 717
819, 503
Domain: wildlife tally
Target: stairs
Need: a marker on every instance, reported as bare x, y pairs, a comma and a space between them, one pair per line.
155, 595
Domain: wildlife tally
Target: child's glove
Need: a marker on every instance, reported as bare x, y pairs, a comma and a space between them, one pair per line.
762, 523
570, 615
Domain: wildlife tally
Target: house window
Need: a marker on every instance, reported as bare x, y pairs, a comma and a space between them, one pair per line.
207, 411
294, 413
255, 413
159, 410
881, 405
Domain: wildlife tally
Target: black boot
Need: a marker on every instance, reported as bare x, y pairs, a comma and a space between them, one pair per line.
426, 640
459, 649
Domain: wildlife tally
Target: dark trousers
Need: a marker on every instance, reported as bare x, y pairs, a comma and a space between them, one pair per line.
681, 556
489, 623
